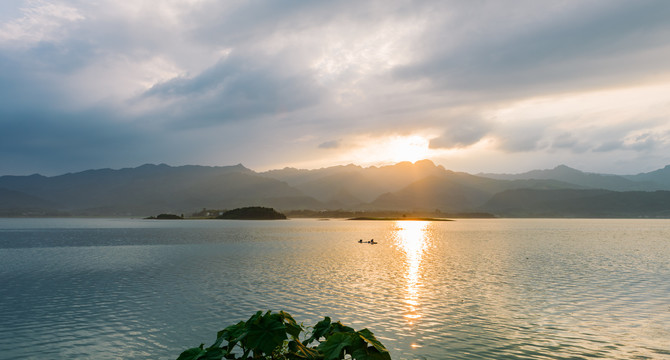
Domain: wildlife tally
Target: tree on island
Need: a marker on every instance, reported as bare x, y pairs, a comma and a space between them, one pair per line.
166, 217
252, 213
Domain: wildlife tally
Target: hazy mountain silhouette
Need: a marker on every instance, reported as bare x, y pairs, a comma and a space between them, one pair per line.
422, 186
659, 178
17, 201
353, 185
579, 203
433, 192
588, 180
344, 184
152, 189
450, 191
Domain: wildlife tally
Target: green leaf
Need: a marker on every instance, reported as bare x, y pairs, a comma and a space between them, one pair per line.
255, 316
286, 317
232, 334
214, 354
333, 348
265, 334
369, 354
338, 327
192, 353
370, 338
320, 330
300, 351
361, 351
292, 328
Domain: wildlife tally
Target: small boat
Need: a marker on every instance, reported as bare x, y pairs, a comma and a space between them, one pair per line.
371, 242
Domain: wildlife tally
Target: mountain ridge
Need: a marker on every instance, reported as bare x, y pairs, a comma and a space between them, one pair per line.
405, 186
590, 180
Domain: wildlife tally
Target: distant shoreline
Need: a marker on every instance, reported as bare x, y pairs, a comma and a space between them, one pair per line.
399, 218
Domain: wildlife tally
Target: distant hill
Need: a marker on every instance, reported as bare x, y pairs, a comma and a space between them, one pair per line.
396, 186
352, 184
587, 180
579, 203
151, 189
659, 178
421, 186
19, 203
433, 192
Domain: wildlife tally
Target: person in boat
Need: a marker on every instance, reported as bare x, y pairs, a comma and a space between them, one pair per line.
360, 241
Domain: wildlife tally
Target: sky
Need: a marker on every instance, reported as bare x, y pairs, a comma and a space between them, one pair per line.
475, 86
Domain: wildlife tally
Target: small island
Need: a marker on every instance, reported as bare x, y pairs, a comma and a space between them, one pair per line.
252, 213
165, 217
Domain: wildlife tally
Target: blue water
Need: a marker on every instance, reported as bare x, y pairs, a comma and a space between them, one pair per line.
467, 289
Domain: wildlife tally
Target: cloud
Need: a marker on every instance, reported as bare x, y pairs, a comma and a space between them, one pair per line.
41, 21
237, 88
461, 132
609, 146
332, 144
251, 77
570, 142
644, 142
530, 47
54, 141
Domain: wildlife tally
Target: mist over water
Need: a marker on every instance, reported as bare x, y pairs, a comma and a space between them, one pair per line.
494, 288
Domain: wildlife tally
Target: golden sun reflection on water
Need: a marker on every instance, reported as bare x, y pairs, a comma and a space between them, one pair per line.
412, 238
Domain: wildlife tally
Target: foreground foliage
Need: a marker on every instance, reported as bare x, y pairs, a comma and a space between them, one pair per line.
277, 336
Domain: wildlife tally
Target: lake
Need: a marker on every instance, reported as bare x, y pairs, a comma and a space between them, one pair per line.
466, 289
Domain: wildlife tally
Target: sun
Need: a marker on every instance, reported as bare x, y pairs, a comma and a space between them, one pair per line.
393, 149
408, 148
382, 150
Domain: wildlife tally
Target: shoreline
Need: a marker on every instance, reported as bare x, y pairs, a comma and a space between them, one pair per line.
398, 218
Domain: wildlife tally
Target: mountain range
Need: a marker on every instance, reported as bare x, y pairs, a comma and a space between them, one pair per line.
404, 187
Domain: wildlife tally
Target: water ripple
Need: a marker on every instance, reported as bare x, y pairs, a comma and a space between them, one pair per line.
504, 289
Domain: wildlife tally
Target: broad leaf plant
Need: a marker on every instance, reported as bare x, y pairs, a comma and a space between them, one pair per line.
277, 336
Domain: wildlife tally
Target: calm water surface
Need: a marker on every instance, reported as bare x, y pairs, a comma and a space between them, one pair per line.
468, 289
